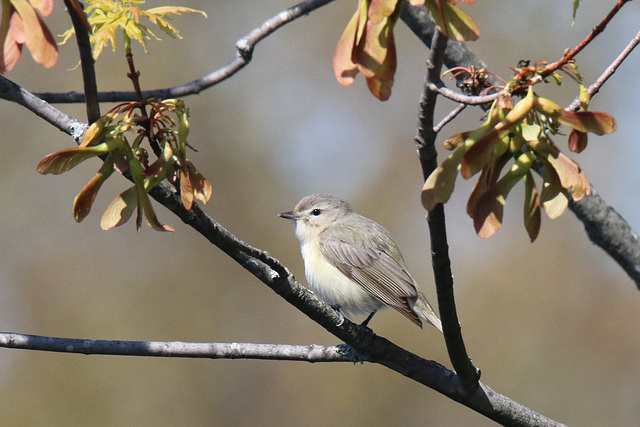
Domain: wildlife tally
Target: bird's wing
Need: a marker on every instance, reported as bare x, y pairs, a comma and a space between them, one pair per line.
373, 268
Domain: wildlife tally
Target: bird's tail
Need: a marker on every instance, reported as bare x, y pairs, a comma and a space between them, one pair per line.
424, 311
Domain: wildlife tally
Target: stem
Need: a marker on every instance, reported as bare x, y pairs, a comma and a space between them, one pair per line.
82, 29
425, 140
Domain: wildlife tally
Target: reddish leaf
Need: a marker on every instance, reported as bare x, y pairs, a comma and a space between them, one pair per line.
35, 33
569, 172
45, 7
201, 187
380, 84
588, 121
488, 147
11, 50
84, 200
344, 68
186, 190
577, 141
487, 179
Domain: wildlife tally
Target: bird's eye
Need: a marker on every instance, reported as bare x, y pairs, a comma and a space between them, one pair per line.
315, 212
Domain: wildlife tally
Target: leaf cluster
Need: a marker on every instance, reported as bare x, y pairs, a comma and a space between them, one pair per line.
367, 45
22, 25
166, 129
108, 16
518, 135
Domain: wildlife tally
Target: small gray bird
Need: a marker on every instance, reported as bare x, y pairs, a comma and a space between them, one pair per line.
352, 263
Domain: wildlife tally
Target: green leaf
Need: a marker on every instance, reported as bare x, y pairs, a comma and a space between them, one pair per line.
453, 22
439, 186
531, 207
554, 196
64, 160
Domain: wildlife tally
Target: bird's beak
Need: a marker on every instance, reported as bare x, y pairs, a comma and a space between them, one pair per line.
289, 215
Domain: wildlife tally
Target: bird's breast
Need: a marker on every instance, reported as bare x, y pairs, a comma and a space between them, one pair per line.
332, 286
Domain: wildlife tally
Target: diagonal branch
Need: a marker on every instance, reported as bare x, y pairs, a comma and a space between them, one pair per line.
604, 226
271, 272
244, 47
568, 56
425, 140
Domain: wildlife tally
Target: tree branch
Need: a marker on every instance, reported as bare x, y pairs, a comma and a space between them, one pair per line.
304, 353
67, 124
270, 271
457, 54
611, 69
604, 226
244, 47
82, 29
425, 140
440, 88
568, 56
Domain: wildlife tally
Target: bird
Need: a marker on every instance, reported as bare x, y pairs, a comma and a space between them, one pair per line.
352, 263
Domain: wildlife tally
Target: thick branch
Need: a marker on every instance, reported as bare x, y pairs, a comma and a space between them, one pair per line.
244, 46
67, 124
304, 353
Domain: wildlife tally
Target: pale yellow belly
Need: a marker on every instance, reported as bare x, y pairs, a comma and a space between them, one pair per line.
333, 287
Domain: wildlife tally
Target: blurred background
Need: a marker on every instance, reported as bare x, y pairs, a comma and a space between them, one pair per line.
553, 325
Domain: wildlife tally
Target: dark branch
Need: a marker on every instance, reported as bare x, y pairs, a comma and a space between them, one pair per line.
82, 29
425, 140
457, 54
244, 47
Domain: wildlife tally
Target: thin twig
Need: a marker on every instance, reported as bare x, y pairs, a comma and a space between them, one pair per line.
611, 69
425, 140
439, 87
605, 227
452, 115
244, 53
549, 69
